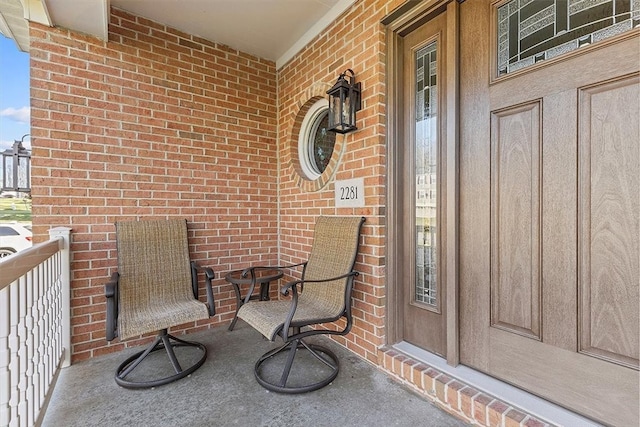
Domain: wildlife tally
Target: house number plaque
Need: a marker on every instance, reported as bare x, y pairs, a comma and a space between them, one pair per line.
350, 193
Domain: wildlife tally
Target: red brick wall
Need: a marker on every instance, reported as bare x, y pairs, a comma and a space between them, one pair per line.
356, 40
152, 123
159, 123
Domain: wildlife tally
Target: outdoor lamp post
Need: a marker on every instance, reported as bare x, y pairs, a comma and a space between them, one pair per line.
344, 101
16, 168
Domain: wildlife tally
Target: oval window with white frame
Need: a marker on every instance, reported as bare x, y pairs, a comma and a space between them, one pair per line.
315, 142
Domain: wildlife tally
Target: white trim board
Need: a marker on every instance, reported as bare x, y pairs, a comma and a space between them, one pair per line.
316, 29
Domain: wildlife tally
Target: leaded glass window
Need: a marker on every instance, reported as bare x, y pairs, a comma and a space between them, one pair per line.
321, 143
315, 143
530, 31
426, 170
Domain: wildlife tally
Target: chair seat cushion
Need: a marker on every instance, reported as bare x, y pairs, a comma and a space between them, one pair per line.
268, 317
147, 318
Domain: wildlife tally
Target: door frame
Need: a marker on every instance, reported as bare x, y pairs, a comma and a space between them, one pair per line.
399, 23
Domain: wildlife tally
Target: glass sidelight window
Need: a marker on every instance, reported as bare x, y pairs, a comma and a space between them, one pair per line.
426, 171
530, 31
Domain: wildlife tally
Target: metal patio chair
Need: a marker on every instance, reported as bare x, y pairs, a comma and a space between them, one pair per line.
155, 288
322, 296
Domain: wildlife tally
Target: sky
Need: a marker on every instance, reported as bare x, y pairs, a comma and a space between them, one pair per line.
14, 94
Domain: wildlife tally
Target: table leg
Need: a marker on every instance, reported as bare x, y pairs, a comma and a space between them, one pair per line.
264, 291
233, 322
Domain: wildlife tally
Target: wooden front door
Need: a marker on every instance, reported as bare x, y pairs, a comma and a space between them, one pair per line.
550, 210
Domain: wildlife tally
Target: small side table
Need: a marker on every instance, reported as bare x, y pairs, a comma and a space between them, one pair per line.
263, 277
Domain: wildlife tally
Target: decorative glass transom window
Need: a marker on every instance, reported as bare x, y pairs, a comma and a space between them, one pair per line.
530, 31
316, 143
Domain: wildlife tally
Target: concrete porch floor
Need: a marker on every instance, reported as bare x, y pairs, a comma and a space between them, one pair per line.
224, 392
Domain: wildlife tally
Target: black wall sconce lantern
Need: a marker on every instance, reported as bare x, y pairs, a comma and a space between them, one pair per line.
344, 101
16, 168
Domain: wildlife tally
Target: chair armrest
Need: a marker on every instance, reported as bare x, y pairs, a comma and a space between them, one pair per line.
284, 290
294, 299
111, 293
290, 286
247, 270
208, 276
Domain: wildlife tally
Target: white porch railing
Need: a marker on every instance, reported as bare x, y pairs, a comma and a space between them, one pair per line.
35, 330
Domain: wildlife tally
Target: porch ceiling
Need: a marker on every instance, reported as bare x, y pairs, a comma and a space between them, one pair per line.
270, 29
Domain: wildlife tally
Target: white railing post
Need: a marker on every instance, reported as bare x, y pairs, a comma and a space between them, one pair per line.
65, 276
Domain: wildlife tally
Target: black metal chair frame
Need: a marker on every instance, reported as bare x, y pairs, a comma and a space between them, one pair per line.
164, 340
293, 335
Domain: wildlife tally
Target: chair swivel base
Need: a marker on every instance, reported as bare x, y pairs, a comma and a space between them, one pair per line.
163, 341
323, 354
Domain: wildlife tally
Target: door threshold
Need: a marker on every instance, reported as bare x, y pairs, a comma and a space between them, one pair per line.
507, 393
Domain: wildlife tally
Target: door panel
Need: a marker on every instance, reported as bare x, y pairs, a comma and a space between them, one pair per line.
550, 220
424, 293
609, 203
515, 239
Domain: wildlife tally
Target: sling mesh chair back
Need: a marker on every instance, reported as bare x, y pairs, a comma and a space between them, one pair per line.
155, 288
321, 297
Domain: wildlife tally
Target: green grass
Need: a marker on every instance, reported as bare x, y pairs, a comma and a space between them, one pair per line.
12, 209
